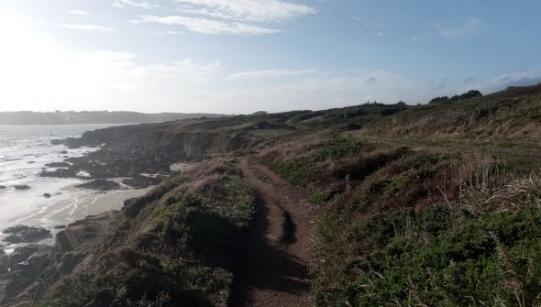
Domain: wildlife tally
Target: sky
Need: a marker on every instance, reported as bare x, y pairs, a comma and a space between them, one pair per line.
243, 56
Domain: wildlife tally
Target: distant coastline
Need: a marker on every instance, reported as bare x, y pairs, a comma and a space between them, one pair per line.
92, 117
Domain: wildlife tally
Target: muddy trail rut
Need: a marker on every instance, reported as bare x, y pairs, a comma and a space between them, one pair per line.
273, 266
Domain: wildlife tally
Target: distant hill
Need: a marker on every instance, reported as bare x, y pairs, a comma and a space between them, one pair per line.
91, 117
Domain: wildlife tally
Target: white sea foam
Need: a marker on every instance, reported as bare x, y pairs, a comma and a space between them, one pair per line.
24, 152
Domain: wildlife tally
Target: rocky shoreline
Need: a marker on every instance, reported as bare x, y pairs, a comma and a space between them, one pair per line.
135, 157
27, 270
23, 268
143, 154
111, 162
25, 234
138, 167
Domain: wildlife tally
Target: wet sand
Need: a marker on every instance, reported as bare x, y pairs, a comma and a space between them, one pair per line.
76, 205
79, 206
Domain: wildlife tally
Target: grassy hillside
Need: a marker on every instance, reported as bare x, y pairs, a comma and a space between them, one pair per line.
433, 205
174, 247
401, 226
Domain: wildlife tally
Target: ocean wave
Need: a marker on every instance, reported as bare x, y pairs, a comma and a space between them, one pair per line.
10, 159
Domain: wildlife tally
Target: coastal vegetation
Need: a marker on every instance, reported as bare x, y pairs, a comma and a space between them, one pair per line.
181, 253
398, 205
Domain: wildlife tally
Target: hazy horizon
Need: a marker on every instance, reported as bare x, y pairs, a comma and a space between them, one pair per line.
110, 111
237, 57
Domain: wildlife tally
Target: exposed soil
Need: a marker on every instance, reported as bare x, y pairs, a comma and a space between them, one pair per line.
273, 268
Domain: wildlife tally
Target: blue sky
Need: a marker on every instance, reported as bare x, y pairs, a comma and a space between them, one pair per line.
241, 56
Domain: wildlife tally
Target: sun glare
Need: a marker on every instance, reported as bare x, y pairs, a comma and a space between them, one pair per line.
28, 58
37, 69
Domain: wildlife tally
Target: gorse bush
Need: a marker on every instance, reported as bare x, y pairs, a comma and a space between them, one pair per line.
303, 170
208, 219
433, 229
482, 262
443, 258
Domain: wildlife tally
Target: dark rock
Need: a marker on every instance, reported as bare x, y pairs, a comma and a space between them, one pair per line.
47, 195
3, 187
33, 265
67, 262
58, 227
72, 142
133, 206
64, 152
61, 173
22, 253
22, 187
84, 232
26, 268
64, 242
4, 262
100, 185
26, 234
58, 164
141, 182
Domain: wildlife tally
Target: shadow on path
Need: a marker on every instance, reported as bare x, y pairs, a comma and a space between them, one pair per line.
265, 266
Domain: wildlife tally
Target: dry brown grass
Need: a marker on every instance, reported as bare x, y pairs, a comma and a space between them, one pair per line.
517, 193
484, 187
478, 174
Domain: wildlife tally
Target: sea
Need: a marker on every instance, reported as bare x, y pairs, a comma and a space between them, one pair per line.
24, 153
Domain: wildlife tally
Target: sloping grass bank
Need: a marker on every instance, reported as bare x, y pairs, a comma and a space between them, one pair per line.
405, 227
177, 250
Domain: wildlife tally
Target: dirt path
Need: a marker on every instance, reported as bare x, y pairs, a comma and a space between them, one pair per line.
273, 267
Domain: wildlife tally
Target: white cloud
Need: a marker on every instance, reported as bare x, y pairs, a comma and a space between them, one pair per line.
240, 17
142, 4
78, 12
187, 69
471, 27
248, 10
370, 24
162, 33
516, 78
39, 73
207, 26
88, 28
270, 73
